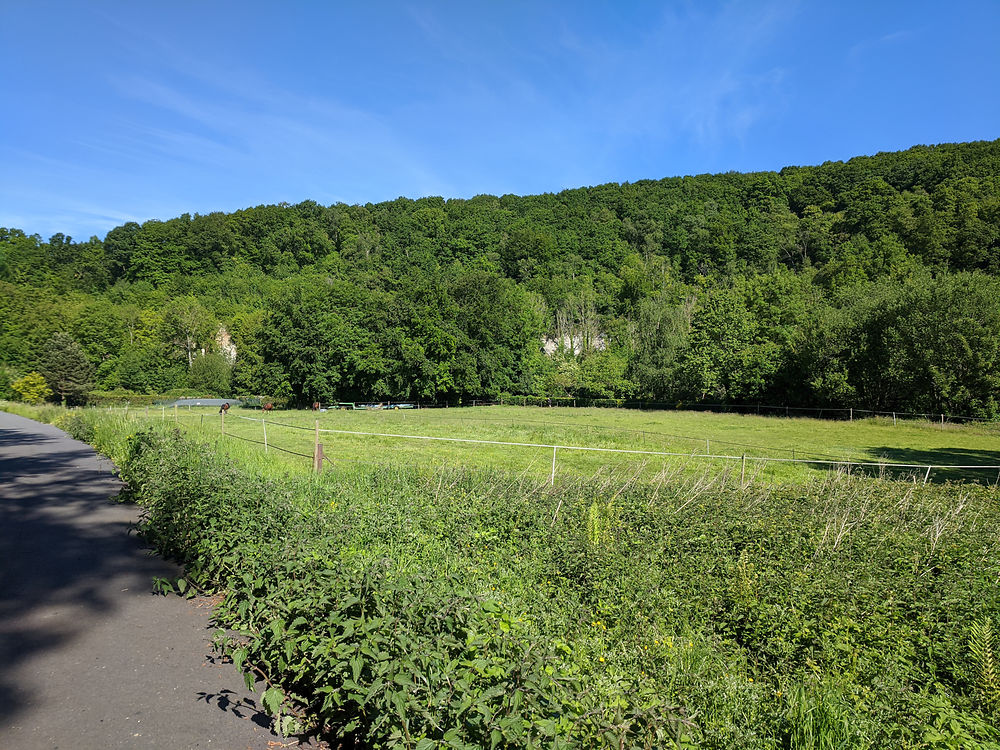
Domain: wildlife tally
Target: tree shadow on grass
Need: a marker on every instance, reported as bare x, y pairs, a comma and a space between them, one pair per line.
946, 457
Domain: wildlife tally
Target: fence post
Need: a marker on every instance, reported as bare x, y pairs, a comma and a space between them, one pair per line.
163, 413
316, 461
552, 478
175, 414
852, 413
743, 472
942, 420
203, 421
264, 425
222, 415
927, 475
708, 446
894, 419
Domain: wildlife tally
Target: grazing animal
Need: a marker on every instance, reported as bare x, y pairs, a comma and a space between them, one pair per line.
224, 409
268, 406
315, 405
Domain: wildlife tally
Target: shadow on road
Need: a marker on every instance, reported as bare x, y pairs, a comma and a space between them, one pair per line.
62, 541
243, 708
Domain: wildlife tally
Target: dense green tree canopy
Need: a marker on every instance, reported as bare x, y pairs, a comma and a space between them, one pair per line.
867, 283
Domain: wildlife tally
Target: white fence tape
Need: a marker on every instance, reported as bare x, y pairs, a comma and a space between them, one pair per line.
582, 448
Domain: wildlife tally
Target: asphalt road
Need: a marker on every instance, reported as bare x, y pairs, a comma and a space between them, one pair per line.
89, 656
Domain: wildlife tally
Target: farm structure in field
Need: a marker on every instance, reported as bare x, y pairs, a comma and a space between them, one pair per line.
192, 402
353, 406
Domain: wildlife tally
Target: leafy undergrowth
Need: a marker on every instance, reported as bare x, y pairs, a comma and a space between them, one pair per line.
432, 609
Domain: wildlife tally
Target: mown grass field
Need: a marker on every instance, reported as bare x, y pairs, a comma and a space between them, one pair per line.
433, 606
869, 440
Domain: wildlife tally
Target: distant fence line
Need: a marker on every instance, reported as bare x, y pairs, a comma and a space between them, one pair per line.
838, 413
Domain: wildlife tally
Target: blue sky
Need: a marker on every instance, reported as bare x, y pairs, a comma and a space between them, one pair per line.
118, 111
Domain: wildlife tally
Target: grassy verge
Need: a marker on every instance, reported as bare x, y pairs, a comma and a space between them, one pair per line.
426, 607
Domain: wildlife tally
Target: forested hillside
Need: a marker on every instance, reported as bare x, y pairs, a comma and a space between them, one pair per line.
871, 283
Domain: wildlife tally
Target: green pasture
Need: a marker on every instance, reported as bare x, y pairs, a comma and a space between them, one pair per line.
704, 443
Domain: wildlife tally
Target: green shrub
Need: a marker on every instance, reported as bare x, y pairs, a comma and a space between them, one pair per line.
7, 377
210, 373
32, 388
76, 425
121, 397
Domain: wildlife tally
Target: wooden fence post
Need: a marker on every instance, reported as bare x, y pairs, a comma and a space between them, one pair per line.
317, 448
222, 416
318, 459
264, 425
852, 413
743, 472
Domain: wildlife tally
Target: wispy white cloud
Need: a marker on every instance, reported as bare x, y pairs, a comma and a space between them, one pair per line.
878, 44
253, 126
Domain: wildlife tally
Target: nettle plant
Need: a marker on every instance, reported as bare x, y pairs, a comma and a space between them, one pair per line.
367, 649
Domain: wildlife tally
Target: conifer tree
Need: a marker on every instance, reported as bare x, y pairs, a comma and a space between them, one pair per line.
66, 368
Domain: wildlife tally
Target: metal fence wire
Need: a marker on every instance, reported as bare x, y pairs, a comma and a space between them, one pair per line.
846, 464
